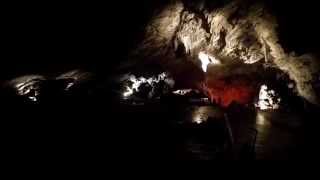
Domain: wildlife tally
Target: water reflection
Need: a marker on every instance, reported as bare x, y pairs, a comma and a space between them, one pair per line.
263, 127
205, 136
277, 134
262, 121
200, 114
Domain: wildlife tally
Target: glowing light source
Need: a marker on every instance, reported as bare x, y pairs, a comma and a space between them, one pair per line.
268, 99
206, 60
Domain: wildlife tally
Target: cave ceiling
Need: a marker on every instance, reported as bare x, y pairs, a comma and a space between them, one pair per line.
242, 35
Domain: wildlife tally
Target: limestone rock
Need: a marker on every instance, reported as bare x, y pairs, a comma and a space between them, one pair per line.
239, 31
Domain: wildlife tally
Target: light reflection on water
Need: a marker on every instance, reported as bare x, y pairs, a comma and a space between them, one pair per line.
203, 144
277, 134
201, 114
263, 127
261, 120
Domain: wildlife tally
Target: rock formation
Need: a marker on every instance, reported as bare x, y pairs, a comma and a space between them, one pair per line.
238, 32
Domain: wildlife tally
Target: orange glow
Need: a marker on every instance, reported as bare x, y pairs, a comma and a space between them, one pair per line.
225, 92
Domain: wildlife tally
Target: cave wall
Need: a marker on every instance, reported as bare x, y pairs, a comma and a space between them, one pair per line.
238, 31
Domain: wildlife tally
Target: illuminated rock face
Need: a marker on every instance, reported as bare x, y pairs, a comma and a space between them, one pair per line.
151, 87
35, 88
237, 32
268, 99
224, 93
28, 86
206, 60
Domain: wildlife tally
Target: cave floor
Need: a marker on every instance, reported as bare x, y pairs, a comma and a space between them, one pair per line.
164, 131
278, 134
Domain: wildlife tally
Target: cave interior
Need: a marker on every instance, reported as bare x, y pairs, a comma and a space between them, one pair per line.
162, 79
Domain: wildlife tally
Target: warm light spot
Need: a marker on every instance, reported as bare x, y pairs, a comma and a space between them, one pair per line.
198, 120
200, 115
206, 60
237, 90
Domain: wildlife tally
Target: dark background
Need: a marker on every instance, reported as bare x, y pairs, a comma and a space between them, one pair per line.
49, 37
54, 37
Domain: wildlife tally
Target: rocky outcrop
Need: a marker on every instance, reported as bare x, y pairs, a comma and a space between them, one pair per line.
237, 32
